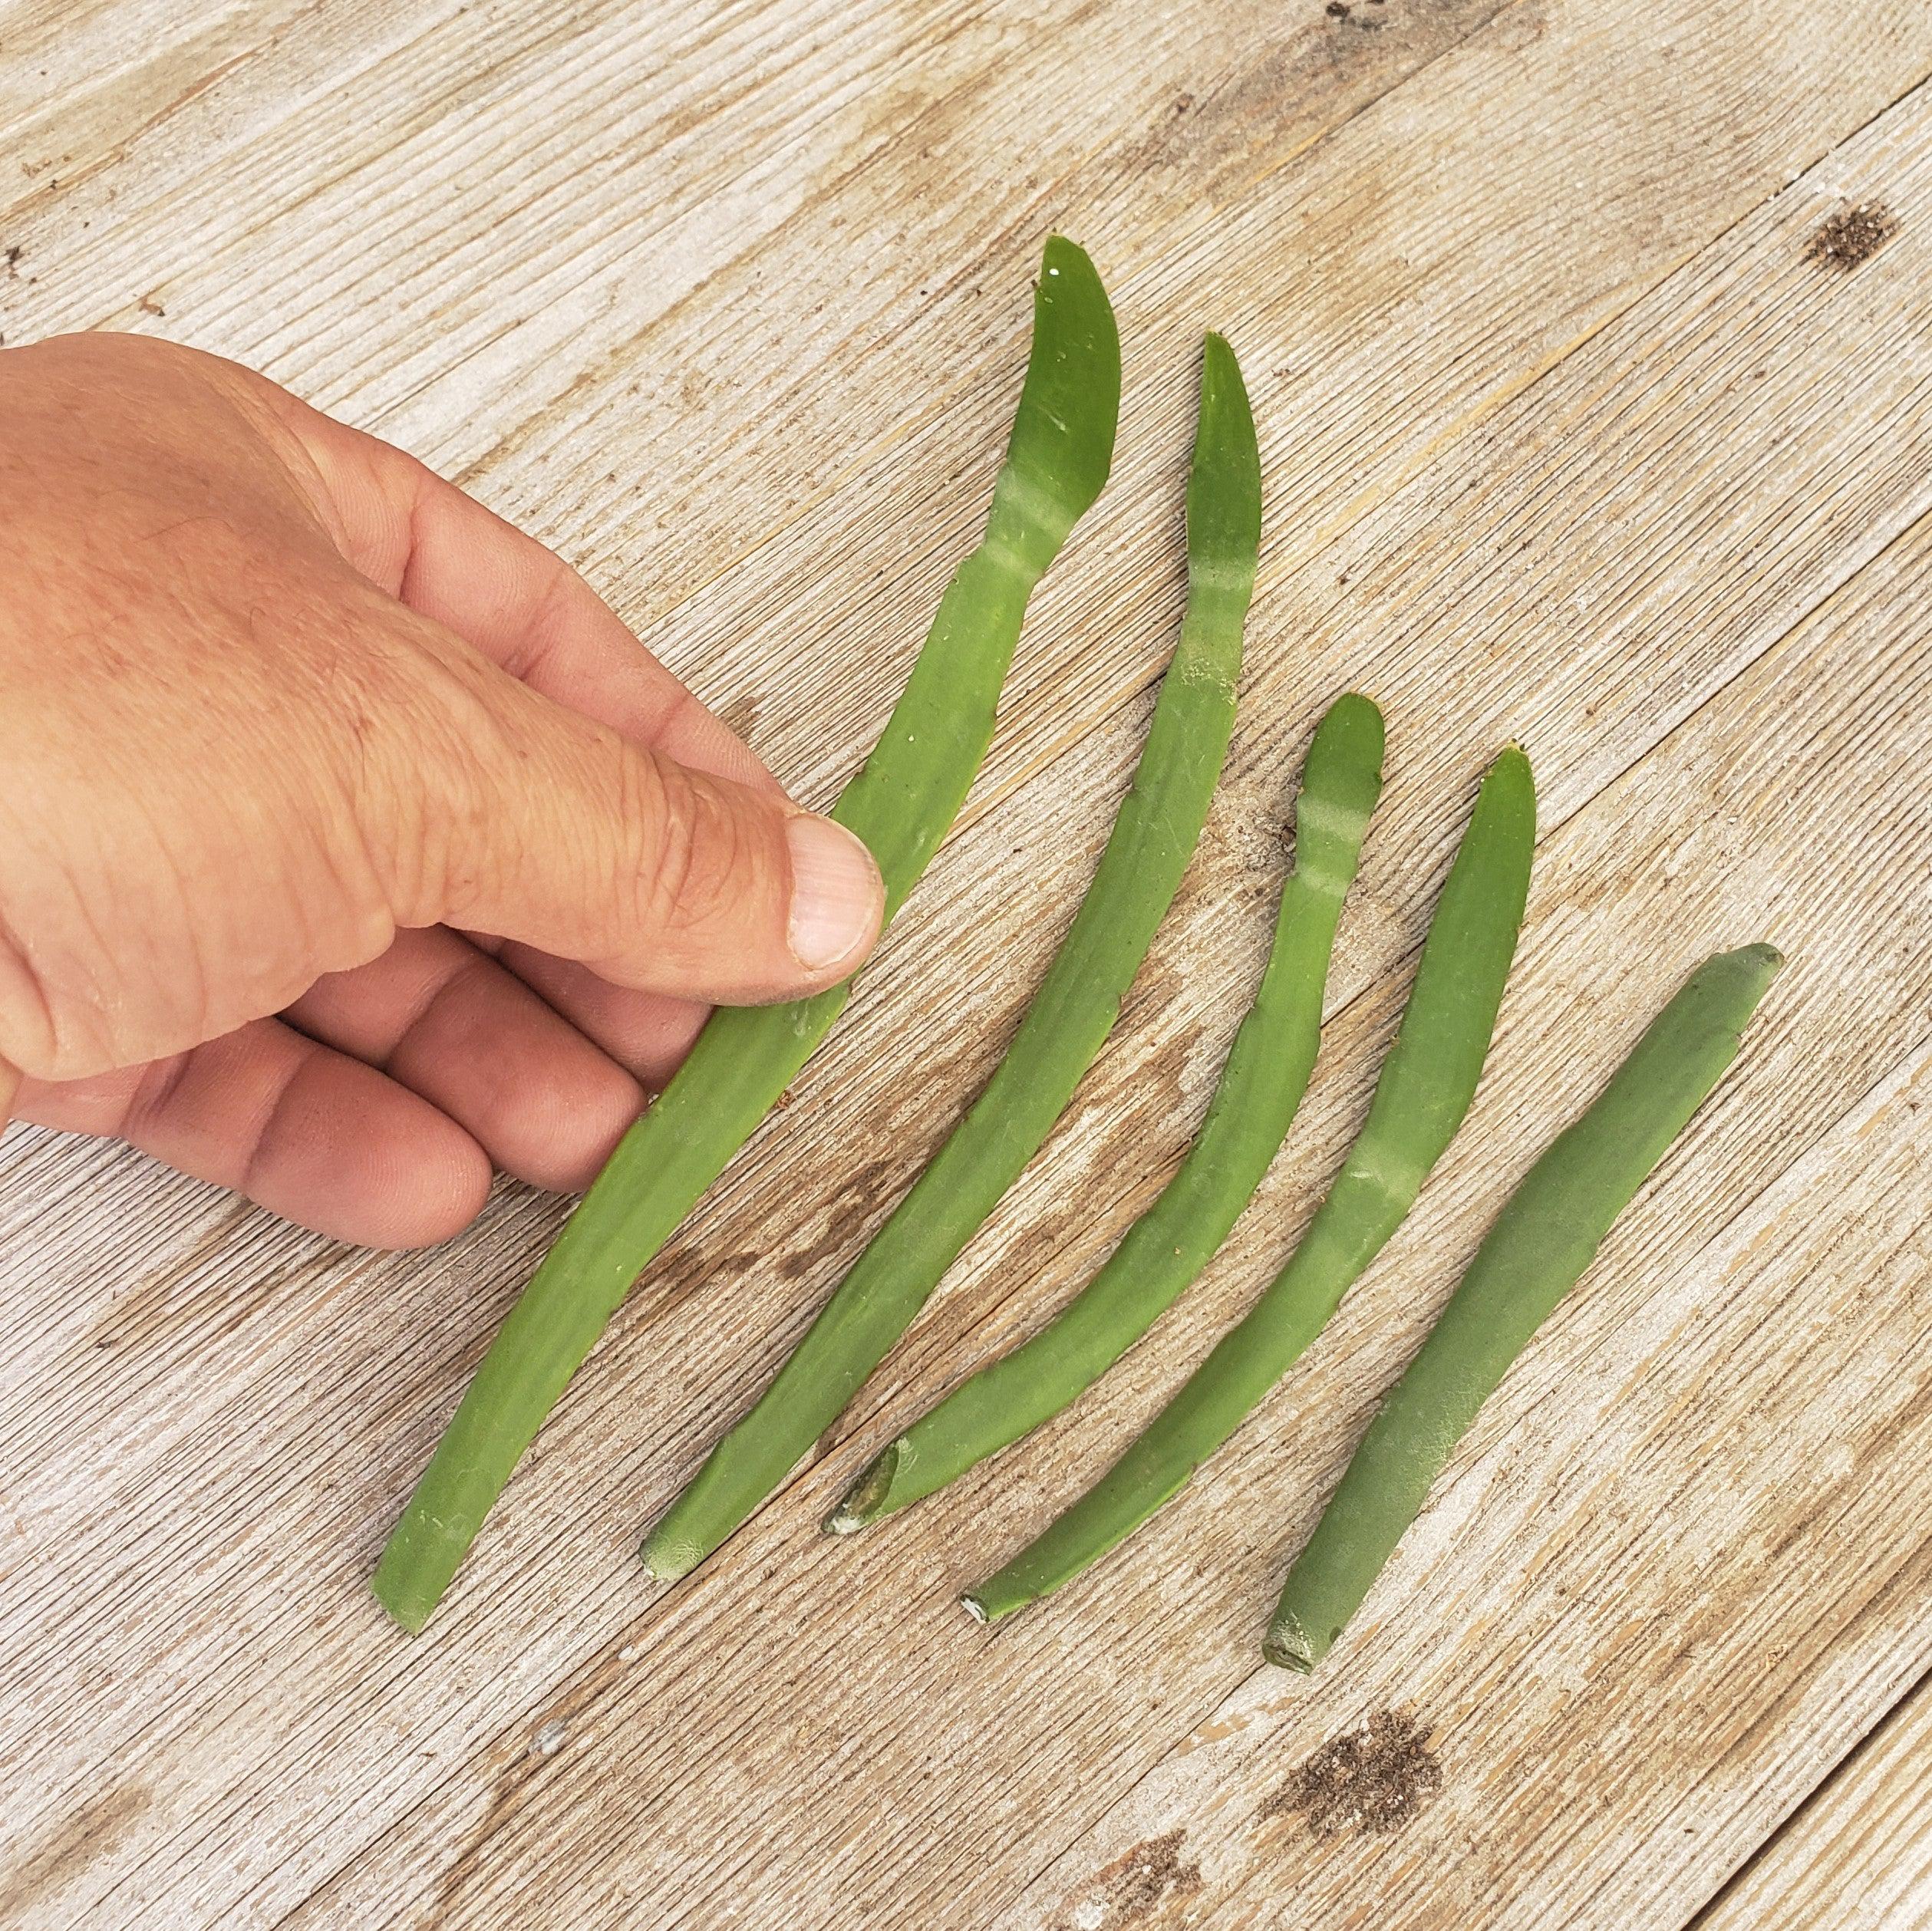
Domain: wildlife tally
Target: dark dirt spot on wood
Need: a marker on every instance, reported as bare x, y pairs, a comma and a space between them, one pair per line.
1371, 1780
677, 1273
506, 1798
89, 1833
1849, 240
1133, 1885
863, 1195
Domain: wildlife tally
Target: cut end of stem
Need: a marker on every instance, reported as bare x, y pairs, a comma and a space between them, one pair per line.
1288, 1647
408, 1590
974, 1608
409, 1617
668, 1561
864, 1501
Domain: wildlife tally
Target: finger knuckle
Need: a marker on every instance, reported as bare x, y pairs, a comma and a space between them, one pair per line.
703, 870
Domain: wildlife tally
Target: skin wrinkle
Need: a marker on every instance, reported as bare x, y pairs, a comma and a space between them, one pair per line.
153, 1092
186, 958
670, 876
284, 812
18, 976
58, 1046
264, 1134
540, 642
470, 837
422, 1012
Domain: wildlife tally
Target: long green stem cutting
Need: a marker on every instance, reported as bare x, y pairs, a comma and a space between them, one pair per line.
1262, 1084
1074, 1009
1537, 1250
1425, 1086
901, 803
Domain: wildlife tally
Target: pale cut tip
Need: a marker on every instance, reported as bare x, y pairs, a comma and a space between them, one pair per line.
864, 1502
1288, 1647
974, 1607
668, 1562
409, 1617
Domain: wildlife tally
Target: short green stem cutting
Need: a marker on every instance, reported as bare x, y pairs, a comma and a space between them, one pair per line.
1538, 1247
901, 803
1426, 1084
1261, 1084
1071, 1014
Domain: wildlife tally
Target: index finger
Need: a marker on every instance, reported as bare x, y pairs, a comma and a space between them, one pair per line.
438, 550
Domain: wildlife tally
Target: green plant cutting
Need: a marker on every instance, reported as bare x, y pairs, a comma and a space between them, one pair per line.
1538, 1249
1426, 1086
1070, 1017
901, 803
1262, 1081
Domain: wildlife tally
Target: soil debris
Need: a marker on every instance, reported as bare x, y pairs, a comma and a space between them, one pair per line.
1850, 239
1133, 1885
1371, 1780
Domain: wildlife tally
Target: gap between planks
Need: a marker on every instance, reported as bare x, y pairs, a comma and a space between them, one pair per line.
1825, 1810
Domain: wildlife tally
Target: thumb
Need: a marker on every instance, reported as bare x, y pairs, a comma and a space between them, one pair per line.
529, 821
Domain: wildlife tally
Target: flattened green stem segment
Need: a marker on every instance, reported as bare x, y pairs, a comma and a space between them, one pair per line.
1262, 1084
1537, 1250
1425, 1086
1071, 1014
901, 803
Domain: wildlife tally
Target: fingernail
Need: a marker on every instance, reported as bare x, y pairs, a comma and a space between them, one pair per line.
836, 892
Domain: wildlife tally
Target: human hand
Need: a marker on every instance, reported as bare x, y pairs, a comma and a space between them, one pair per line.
288, 725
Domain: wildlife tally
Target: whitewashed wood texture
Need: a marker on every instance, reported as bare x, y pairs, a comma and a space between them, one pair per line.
1567, 436
1859, 1853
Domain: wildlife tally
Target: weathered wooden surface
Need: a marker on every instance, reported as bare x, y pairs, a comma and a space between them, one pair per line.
1568, 434
1859, 1853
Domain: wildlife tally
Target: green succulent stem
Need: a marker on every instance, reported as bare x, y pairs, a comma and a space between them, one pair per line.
901, 803
1538, 1247
1070, 1017
1424, 1088
1266, 1073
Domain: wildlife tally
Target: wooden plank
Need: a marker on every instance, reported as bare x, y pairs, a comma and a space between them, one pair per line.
1858, 1852
1063, 1703
752, 111
1441, 246
1386, 295
1631, 1634
187, 1501
754, 1682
